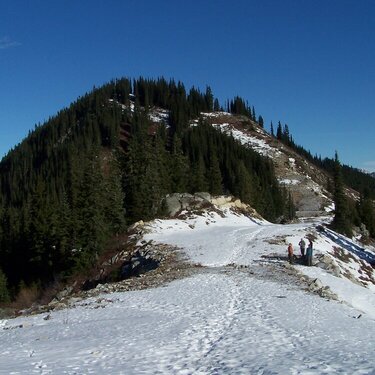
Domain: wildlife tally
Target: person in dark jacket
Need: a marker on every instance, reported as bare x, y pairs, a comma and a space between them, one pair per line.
309, 253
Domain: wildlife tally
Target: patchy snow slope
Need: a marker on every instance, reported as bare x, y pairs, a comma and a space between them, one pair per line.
224, 320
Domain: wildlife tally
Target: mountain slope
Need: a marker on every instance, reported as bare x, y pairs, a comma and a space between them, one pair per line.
303, 179
109, 160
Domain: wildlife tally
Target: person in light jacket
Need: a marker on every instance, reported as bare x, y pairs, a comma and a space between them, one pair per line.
290, 253
309, 253
302, 246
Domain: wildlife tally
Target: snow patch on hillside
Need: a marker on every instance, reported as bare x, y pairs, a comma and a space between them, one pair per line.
257, 144
287, 181
155, 114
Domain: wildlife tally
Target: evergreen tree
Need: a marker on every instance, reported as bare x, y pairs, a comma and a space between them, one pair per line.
92, 227
179, 167
214, 174
341, 222
366, 212
261, 121
216, 105
244, 183
199, 181
272, 131
4, 294
114, 202
209, 99
279, 131
42, 233
290, 208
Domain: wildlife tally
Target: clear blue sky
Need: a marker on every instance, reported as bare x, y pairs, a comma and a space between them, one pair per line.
310, 64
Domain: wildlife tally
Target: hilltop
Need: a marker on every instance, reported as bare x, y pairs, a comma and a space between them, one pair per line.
71, 189
144, 229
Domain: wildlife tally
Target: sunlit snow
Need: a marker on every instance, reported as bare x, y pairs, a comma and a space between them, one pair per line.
222, 320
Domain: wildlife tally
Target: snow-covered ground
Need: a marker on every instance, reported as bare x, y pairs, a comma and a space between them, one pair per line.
223, 320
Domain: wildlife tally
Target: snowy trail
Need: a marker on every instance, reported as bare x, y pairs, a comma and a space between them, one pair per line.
213, 323
223, 320
219, 246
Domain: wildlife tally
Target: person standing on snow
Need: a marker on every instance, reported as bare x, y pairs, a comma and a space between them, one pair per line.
309, 253
302, 245
290, 253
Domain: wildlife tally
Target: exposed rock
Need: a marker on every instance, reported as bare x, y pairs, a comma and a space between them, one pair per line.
64, 293
177, 203
136, 225
315, 285
327, 263
205, 196
220, 201
138, 265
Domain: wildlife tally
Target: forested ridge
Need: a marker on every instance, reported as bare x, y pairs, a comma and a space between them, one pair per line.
348, 212
101, 164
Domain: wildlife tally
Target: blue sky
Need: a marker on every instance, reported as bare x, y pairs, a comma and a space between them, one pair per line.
309, 64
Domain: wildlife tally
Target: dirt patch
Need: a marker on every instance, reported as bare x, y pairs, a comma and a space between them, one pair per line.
279, 240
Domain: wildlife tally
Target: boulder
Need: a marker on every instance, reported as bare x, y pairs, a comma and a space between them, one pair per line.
204, 196
64, 293
315, 285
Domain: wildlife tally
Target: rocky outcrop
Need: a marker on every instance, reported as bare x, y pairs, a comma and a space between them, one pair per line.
316, 286
327, 263
178, 202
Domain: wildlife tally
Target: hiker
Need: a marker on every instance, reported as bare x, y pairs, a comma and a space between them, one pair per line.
290, 253
309, 253
302, 245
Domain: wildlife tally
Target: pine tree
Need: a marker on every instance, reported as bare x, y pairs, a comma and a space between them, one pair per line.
366, 212
42, 233
199, 182
214, 174
286, 135
216, 105
279, 131
209, 99
92, 227
4, 293
261, 121
341, 222
244, 183
179, 167
290, 208
114, 198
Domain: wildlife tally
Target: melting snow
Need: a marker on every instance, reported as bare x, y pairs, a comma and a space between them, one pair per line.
286, 181
259, 145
